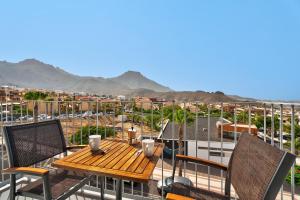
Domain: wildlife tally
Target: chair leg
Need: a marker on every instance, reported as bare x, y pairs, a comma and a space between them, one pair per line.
12, 193
46, 187
102, 187
119, 189
174, 169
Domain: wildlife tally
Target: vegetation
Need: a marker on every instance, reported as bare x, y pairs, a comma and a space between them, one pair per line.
297, 176
135, 118
287, 128
34, 95
153, 121
258, 120
92, 130
180, 117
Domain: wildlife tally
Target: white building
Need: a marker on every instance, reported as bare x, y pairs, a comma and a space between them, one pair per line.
121, 97
122, 118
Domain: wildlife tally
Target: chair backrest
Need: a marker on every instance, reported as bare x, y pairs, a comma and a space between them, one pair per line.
257, 169
28, 144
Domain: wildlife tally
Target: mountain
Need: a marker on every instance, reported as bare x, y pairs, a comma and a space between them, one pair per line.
181, 96
239, 98
32, 73
135, 80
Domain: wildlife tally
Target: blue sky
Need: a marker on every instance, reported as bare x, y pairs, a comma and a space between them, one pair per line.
247, 48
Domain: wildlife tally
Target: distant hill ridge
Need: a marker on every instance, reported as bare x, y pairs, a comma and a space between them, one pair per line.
32, 73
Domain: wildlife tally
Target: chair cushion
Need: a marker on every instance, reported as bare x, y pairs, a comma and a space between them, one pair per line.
60, 181
196, 193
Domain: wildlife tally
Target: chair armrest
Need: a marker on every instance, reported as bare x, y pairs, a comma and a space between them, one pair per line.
171, 196
201, 161
26, 170
76, 147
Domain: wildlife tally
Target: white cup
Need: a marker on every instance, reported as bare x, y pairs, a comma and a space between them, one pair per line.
148, 147
94, 142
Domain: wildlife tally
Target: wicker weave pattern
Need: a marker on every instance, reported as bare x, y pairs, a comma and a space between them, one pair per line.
253, 165
60, 182
32, 143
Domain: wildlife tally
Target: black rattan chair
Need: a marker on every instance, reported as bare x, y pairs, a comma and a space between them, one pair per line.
29, 144
256, 170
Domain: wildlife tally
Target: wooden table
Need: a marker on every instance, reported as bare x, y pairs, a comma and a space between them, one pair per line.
118, 160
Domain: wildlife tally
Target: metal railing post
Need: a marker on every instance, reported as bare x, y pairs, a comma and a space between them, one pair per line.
196, 147
293, 151
208, 146
280, 140
222, 124
249, 118
184, 139
73, 123
162, 156
235, 124
2, 141
265, 123
272, 125
81, 128
173, 132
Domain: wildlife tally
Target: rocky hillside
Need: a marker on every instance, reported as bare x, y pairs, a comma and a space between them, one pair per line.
32, 73
206, 97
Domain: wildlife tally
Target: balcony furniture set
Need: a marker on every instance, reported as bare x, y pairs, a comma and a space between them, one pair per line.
256, 170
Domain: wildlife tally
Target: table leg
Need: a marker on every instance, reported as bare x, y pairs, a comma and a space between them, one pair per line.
102, 187
119, 189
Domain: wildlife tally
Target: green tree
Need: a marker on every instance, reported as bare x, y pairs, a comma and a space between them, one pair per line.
92, 130
153, 121
215, 112
242, 117
135, 118
296, 176
168, 110
287, 129
258, 120
203, 108
35, 96
229, 116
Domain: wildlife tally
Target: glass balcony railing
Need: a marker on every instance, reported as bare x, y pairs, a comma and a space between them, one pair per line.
210, 131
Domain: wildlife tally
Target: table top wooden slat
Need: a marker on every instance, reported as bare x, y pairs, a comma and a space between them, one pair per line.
125, 159
135, 164
119, 160
90, 156
82, 152
97, 157
109, 155
125, 166
144, 163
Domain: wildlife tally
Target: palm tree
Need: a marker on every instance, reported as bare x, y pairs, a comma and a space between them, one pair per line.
242, 117
35, 96
153, 121
297, 145
180, 117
